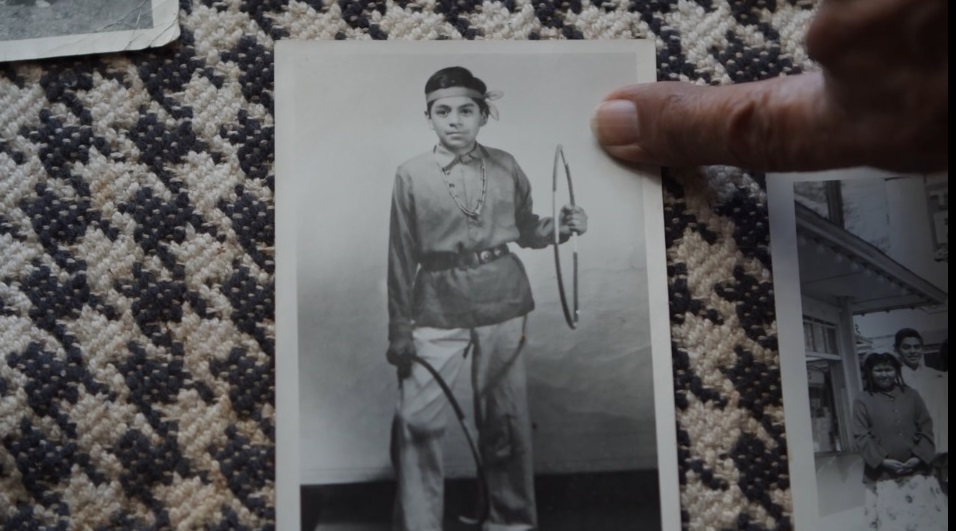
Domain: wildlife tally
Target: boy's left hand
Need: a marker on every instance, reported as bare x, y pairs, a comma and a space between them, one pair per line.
573, 221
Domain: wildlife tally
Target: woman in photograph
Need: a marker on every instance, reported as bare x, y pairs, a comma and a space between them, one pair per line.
894, 433
455, 290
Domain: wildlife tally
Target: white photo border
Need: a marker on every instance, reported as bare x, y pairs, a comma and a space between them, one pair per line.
287, 485
165, 29
790, 336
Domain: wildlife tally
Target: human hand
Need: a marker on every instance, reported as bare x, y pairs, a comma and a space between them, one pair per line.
573, 220
400, 353
880, 100
911, 464
894, 466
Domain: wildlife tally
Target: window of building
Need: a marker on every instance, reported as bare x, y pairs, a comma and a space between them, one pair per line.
826, 377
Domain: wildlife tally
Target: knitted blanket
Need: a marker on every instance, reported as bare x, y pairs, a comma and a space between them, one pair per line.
137, 266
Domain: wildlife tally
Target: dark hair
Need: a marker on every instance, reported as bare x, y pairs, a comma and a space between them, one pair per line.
880, 358
906, 333
456, 76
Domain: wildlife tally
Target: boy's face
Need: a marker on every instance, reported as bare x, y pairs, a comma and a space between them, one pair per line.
456, 120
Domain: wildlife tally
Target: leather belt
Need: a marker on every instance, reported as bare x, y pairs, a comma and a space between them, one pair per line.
470, 260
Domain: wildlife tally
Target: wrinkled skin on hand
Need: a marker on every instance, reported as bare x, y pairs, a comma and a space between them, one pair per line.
880, 99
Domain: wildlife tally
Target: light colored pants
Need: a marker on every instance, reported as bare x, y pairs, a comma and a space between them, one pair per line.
501, 415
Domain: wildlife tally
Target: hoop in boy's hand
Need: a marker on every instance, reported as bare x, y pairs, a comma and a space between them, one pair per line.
570, 316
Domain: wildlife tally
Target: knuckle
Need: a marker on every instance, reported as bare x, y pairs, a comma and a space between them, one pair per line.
752, 140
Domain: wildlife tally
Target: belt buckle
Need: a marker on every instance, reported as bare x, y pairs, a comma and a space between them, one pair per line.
484, 256
469, 261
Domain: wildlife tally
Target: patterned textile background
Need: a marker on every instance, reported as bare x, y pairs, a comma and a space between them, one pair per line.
136, 261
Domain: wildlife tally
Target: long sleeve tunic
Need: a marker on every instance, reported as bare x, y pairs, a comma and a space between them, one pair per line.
426, 220
891, 425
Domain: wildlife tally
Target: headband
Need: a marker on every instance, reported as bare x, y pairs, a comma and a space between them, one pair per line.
452, 92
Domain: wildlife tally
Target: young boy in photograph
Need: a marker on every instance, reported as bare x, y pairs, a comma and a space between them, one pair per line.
456, 290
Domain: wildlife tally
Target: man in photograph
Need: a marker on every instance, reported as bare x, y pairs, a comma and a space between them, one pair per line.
456, 290
933, 387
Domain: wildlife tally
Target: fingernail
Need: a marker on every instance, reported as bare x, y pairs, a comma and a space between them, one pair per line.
614, 123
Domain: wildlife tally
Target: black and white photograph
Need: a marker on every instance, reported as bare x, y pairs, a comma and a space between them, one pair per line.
471, 307
34, 29
861, 261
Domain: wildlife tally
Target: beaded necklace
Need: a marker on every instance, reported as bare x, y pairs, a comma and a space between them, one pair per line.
475, 212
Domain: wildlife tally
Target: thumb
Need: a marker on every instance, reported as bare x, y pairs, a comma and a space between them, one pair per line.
781, 124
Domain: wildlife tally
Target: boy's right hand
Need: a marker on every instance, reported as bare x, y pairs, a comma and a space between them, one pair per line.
399, 354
